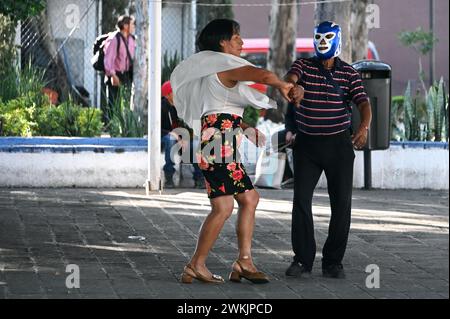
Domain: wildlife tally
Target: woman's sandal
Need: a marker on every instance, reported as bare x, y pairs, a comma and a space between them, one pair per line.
256, 277
190, 273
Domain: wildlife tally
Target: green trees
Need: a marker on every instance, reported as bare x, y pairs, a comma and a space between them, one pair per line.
112, 9
208, 13
282, 30
426, 111
420, 41
7, 56
20, 9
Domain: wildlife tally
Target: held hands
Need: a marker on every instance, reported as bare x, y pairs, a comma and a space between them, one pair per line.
296, 94
285, 90
359, 139
293, 93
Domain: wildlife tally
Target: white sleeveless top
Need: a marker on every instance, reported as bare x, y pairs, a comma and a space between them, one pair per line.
197, 90
217, 98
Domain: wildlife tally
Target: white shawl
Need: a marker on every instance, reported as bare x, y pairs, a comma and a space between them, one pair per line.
186, 85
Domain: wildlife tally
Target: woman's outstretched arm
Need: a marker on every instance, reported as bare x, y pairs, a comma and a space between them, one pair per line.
250, 73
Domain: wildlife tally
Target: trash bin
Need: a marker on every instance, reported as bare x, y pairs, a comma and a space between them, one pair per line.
376, 77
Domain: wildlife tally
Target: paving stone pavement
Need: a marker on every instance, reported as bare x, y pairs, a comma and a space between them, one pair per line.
42, 231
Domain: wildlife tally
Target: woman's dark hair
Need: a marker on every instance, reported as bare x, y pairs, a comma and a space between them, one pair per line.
123, 20
216, 31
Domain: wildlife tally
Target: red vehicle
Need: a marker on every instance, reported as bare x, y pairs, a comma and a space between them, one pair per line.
256, 50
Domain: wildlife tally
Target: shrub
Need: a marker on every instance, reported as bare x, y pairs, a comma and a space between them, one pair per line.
17, 118
29, 82
417, 117
90, 122
21, 117
49, 121
123, 121
437, 106
69, 119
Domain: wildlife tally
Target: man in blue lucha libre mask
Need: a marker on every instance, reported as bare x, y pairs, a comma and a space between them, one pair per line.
327, 40
319, 130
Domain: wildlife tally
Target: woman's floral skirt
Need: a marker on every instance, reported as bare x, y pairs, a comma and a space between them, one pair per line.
218, 156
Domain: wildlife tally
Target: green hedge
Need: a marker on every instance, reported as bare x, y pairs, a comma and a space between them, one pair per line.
26, 111
68, 119
21, 117
17, 118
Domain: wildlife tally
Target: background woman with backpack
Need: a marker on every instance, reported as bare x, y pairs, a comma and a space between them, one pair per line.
118, 49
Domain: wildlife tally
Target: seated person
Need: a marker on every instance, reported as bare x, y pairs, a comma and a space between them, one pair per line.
170, 121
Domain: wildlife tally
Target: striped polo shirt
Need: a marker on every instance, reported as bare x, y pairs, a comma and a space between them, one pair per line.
323, 111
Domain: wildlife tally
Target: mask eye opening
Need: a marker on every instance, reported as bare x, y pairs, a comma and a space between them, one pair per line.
329, 36
317, 36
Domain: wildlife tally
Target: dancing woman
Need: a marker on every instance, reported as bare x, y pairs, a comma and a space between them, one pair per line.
208, 87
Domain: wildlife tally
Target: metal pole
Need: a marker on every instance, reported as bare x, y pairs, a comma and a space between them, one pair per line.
18, 43
193, 24
433, 51
183, 34
98, 77
154, 97
367, 169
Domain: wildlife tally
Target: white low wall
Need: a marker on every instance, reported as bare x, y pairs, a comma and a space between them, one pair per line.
84, 169
405, 168
398, 167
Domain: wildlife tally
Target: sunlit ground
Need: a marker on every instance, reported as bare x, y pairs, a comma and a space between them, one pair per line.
116, 235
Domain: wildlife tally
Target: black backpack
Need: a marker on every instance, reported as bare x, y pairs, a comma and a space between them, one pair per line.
98, 59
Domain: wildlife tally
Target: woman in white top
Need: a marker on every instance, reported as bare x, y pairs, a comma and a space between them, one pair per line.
209, 86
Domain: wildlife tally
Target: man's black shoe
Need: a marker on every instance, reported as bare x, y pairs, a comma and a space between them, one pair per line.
333, 271
297, 270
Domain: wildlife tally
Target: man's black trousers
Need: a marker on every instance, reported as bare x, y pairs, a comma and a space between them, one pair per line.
334, 155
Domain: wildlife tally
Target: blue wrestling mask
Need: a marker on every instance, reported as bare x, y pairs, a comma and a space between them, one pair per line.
327, 40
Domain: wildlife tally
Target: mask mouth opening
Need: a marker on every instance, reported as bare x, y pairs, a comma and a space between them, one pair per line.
323, 48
